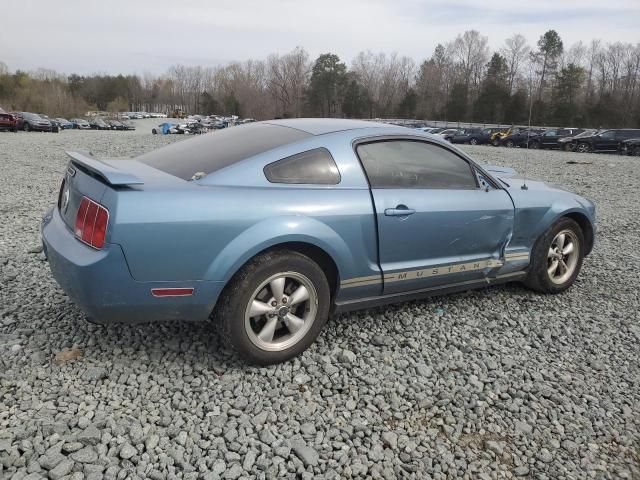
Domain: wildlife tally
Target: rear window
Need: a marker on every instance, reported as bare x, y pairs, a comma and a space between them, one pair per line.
215, 151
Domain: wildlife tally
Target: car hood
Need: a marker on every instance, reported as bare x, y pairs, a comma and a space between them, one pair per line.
513, 180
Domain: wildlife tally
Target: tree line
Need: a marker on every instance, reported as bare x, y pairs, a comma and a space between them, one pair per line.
593, 84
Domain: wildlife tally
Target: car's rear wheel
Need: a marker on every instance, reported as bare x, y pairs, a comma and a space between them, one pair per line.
26, 127
568, 147
636, 152
495, 142
509, 144
583, 148
534, 145
473, 141
556, 258
274, 307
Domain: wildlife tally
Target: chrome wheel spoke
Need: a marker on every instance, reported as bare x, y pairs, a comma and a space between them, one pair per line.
293, 323
277, 288
300, 295
568, 249
266, 334
259, 308
563, 257
272, 310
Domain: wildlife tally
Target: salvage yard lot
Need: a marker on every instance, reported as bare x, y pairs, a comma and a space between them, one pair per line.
500, 381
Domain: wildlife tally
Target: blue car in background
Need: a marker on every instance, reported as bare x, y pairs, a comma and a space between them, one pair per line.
271, 227
64, 123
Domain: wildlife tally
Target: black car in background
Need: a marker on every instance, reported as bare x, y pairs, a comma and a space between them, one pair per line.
630, 147
521, 137
474, 135
99, 124
550, 138
607, 141
115, 125
567, 143
464, 135
28, 121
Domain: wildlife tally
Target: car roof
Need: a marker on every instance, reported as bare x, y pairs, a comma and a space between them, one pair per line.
321, 126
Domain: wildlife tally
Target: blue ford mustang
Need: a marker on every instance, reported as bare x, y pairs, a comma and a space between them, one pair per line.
271, 226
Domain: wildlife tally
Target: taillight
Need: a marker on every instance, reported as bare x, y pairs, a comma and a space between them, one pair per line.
91, 223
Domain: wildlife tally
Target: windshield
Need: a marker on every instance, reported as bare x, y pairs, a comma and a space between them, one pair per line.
31, 116
586, 133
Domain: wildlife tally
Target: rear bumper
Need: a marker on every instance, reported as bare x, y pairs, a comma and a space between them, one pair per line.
100, 283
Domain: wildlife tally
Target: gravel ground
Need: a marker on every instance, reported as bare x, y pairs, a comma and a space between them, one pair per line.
498, 383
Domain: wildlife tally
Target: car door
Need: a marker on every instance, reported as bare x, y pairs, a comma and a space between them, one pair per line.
605, 141
436, 224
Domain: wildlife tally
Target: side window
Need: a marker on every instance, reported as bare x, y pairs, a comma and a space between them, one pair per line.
609, 134
312, 167
413, 164
550, 133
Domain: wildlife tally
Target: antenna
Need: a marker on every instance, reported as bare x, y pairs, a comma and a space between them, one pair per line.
526, 155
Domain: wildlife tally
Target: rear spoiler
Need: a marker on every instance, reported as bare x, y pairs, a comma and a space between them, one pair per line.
110, 174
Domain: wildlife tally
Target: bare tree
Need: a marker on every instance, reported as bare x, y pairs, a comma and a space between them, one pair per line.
516, 52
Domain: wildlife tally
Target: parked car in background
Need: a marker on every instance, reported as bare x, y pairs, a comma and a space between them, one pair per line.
64, 123
549, 139
447, 133
99, 124
521, 138
116, 125
607, 141
567, 143
80, 124
227, 226
128, 125
55, 125
28, 121
630, 147
465, 135
8, 121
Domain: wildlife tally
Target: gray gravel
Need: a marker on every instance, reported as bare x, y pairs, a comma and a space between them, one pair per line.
500, 383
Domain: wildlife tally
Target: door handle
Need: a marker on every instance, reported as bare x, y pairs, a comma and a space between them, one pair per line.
399, 211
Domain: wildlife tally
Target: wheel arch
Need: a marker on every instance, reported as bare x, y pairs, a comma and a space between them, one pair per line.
304, 235
586, 226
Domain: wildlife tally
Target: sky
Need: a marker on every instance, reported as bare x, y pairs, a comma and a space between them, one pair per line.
148, 36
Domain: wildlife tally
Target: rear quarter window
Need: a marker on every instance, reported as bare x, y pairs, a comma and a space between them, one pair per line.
311, 167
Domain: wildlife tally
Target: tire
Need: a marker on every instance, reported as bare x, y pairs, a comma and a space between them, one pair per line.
26, 127
636, 152
154, 131
495, 143
568, 147
248, 334
583, 148
534, 145
509, 144
541, 277
473, 141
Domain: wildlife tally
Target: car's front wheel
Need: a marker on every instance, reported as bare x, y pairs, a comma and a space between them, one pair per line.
583, 148
556, 258
274, 307
509, 144
26, 127
473, 141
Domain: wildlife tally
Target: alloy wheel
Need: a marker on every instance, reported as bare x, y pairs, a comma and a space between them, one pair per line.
563, 256
582, 148
281, 311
